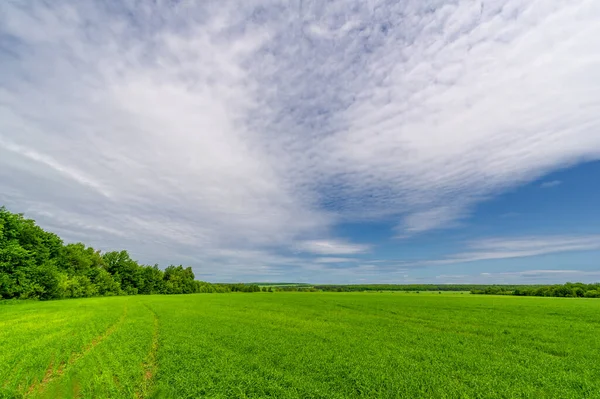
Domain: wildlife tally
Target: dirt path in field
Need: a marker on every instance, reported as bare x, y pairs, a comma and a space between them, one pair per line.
38, 388
150, 366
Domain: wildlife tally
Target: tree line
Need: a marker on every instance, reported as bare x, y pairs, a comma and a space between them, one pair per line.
408, 287
567, 290
36, 264
571, 290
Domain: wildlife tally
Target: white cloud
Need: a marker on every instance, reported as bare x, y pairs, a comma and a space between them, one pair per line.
536, 273
332, 247
519, 247
432, 218
332, 259
524, 277
153, 123
187, 131
550, 184
466, 101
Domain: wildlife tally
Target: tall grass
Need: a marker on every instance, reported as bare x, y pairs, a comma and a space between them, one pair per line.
301, 345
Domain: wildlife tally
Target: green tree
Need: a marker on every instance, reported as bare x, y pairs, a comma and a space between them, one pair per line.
125, 271
592, 294
179, 280
106, 284
36, 264
152, 280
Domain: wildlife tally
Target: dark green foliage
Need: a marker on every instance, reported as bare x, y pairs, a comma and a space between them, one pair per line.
296, 288
567, 290
495, 290
179, 280
106, 284
413, 287
592, 294
35, 264
239, 287
153, 279
125, 271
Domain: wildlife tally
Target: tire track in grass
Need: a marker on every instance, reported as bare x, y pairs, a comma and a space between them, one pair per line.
38, 388
150, 366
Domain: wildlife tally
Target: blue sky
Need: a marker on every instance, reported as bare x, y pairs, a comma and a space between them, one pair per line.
379, 141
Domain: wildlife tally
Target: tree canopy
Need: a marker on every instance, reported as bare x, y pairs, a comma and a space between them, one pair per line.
36, 264
567, 290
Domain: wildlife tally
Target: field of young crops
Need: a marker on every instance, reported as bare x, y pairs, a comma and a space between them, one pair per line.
301, 345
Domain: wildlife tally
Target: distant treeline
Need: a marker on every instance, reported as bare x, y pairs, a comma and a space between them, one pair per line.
575, 290
568, 290
35, 264
409, 287
294, 288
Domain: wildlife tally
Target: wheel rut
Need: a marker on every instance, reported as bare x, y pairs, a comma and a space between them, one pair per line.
150, 366
38, 387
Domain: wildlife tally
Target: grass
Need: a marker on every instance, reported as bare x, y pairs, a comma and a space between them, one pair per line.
301, 345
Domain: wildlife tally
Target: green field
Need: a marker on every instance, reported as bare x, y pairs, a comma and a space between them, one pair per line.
301, 345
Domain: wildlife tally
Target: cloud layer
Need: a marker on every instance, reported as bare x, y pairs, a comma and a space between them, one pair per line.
518, 247
232, 135
523, 277
550, 184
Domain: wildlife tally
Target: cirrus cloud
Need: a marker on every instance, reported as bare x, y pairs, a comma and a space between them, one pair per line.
189, 131
518, 247
332, 247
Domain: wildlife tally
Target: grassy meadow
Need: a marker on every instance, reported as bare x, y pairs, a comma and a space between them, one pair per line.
301, 345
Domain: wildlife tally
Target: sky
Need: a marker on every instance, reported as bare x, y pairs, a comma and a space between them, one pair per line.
412, 141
